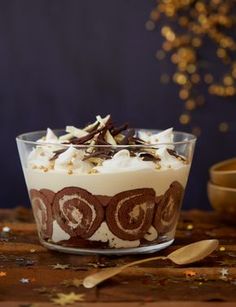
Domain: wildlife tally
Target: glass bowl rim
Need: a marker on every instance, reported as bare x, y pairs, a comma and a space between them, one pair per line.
191, 140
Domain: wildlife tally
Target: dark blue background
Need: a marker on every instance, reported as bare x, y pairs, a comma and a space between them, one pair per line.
63, 62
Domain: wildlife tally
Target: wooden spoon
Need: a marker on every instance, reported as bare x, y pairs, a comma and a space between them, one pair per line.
184, 255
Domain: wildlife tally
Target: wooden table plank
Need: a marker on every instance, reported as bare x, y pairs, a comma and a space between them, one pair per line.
21, 256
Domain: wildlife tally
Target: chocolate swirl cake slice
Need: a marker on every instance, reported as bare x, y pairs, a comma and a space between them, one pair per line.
78, 212
167, 211
129, 214
42, 210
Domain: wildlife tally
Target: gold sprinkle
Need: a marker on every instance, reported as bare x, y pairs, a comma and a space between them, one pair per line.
170, 36
184, 119
208, 78
183, 94
223, 127
167, 46
222, 249
155, 15
228, 80
165, 30
190, 227
195, 78
234, 73
202, 19
180, 79
221, 53
191, 68
196, 42
230, 91
32, 250
190, 105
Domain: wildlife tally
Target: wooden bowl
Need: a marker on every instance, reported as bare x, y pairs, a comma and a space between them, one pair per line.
223, 200
224, 173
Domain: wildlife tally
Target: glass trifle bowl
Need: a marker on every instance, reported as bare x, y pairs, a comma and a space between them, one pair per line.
105, 189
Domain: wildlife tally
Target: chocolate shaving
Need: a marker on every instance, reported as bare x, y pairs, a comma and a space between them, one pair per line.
128, 136
91, 127
173, 153
57, 154
116, 130
124, 136
103, 154
138, 141
147, 156
86, 138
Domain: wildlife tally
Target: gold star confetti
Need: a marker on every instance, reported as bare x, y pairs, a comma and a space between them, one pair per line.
73, 282
6, 229
63, 299
189, 227
59, 266
2, 274
24, 280
224, 274
190, 273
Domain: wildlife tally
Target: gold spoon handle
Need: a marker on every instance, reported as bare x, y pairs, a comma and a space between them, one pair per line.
142, 261
96, 278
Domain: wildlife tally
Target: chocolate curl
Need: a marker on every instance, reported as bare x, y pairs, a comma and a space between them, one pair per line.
168, 208
174, 153
86, 138
129, 214
42, 211
78, 212
116, 130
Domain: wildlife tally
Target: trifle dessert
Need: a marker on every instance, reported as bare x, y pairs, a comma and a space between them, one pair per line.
105, 188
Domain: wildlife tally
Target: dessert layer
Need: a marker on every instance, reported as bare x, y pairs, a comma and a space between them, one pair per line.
126, 219
108, 184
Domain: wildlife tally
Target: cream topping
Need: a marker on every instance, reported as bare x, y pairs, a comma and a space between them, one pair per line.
53, 156
163, 138
72, 159
122, 161
167, 160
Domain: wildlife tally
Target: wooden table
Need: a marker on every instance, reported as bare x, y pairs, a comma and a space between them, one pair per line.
29, 277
